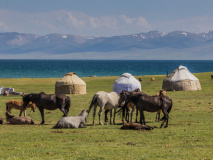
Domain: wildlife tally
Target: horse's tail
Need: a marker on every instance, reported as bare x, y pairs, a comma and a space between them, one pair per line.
169, 109
8, 106
68, 103
94, 100
122, 110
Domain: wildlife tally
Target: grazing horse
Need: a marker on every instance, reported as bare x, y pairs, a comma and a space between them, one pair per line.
48, 101
106, 101
18, 120
73, 122
19, 105
129, 105
148, 103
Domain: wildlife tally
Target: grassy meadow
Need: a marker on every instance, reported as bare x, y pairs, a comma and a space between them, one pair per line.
188, 136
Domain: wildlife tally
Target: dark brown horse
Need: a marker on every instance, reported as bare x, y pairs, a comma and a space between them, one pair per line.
148, 103
48, 101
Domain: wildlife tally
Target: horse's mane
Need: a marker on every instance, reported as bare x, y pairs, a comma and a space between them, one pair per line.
81, 113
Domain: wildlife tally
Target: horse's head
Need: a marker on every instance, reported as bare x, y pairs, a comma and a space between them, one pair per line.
162, 92
32, 106
123, 97
137, 90
26, 99
84, 114
8, 116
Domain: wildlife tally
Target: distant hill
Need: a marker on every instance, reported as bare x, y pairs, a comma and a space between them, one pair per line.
19, 43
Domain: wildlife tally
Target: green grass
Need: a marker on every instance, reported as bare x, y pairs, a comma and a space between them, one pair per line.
189, 135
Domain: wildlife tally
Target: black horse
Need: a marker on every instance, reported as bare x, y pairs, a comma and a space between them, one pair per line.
48, 101
148, 103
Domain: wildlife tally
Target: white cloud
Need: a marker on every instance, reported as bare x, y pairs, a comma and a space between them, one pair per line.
67, 22
63, 21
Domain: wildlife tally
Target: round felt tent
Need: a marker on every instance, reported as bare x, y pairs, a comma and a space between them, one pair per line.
181, 79
126, 82
70, 83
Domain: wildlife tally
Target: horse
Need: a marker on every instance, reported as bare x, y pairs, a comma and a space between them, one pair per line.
19, 106
48, 101
148, 103
153, 79
136, 126
106, 101
18, 120
73, 122
129, 105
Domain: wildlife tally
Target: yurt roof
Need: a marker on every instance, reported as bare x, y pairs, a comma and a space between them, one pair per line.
70, 79
182, 73
127, 78
126, 82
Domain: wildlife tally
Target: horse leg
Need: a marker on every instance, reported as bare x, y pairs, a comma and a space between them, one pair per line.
20, 113
64, 111
99, 113
127, 114
123, 114
136, 120
142, 118
42, 114
166, 118
133, 109
157, 119
111, 116
106, 118
115, 109
95, 107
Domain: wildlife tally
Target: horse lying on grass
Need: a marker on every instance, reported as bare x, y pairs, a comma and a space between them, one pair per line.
19, 106
48, 101
136, 126
18, 120
73, 122
148, 103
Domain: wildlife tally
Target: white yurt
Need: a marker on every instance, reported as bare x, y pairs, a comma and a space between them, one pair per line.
181, 79
126, 82
70, 83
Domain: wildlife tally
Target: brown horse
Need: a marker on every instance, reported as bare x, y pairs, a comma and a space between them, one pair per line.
148, 103
48, 101
19, 105
18, 120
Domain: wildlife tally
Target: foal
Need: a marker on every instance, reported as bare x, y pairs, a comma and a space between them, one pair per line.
19, 106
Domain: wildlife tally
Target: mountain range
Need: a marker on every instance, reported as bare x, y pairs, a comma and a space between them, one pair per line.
146, 42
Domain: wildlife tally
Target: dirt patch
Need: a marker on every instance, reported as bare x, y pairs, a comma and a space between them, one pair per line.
57, 131
76, 131
131, 143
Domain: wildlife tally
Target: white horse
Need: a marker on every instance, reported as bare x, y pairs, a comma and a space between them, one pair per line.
73, 122
106, 101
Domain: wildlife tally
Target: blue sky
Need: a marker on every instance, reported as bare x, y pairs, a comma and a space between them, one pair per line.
104, 17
